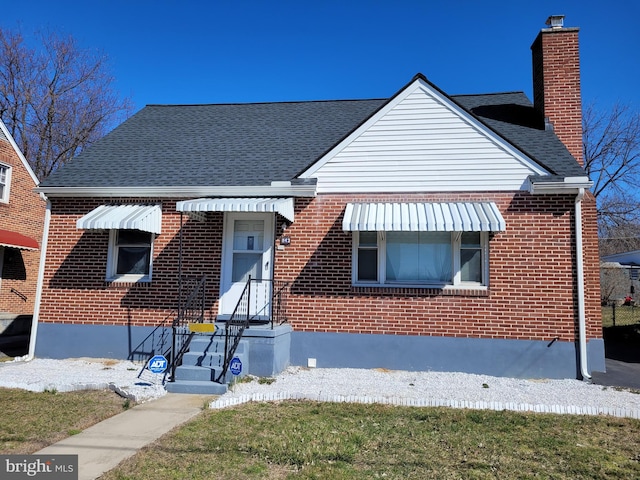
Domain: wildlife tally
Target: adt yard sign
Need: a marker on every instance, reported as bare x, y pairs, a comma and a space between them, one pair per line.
158, 364
235, 366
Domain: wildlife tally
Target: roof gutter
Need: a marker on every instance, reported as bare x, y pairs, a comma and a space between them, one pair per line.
567, 185
276, 189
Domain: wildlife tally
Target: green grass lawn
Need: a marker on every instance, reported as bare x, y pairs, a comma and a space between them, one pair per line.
313, 440
32, 421
349, 441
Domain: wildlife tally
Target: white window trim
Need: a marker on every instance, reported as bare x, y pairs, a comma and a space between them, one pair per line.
7, 187
112, 263
456, 238
2, 250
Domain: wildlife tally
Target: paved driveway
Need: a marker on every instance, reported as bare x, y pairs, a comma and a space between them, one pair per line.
622, 351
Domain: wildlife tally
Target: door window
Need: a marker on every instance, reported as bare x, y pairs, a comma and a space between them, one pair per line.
248, 247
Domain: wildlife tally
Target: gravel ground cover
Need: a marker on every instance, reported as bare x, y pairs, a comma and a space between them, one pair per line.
339, 385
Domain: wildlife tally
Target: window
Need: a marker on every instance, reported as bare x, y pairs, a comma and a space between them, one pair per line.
130, 256
420, 258
5, 178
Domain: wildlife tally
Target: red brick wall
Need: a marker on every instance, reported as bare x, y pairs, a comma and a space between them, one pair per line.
75, 287
532, 292
556, 84
23, 214
532, 273
591, 254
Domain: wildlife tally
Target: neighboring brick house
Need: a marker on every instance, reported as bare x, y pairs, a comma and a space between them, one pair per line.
22, 213
422, 231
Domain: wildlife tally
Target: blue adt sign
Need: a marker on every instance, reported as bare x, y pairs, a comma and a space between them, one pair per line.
235, 366
158, 364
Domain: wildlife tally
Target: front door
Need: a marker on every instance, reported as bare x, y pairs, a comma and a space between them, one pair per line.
247, 251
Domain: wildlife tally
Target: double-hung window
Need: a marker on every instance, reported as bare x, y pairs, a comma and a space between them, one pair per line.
431, 245
420, 258
130, 256
132, 231
5, 178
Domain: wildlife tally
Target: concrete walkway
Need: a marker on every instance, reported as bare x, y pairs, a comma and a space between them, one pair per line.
104, 445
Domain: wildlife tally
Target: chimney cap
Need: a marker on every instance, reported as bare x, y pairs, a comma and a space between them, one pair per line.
555, 21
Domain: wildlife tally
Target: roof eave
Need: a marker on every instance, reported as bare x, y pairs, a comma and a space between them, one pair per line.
278, 190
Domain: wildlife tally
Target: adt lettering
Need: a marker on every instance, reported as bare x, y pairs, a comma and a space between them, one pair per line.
159, 364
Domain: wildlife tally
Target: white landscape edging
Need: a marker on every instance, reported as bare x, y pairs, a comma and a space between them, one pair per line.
230, 401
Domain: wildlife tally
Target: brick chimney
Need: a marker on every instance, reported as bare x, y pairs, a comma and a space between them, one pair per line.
556, 82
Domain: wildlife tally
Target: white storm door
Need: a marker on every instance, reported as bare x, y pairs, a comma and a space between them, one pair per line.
247, 251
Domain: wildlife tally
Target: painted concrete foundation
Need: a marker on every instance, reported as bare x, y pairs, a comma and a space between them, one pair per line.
272, 350
503, 358
268, 348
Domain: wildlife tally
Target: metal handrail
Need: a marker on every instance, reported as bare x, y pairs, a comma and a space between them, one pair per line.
191, 311
279, 298
241, 317
235, 327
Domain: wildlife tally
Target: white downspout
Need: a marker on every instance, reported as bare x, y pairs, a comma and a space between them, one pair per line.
36, 307
582, 328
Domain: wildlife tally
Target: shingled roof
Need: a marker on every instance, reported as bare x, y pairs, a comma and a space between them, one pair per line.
257, 143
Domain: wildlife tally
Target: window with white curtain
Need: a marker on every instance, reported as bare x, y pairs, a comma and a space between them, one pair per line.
423, 259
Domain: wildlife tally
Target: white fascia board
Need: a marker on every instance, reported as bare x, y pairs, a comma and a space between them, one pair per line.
169, 192
14, 145
569, 185
459, 111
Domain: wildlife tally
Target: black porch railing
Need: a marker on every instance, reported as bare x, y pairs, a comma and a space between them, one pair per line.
191, 310
261, 301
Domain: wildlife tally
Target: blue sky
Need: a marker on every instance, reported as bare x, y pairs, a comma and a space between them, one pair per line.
193, 51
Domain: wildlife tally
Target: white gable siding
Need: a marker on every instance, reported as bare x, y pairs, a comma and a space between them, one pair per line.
422, 142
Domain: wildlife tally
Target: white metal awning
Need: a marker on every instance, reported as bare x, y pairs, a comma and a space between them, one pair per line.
424, 217
283, 206
147, 218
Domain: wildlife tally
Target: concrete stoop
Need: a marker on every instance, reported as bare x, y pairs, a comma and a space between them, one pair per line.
202, 365
15, 333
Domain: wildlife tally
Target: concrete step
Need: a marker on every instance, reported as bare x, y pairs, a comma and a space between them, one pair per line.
201, 359
194, 386
202, 343
15, 324
202, 363
193, 372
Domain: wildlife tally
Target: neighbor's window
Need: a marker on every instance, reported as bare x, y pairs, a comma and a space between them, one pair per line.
5, 174
130, 254
420, 258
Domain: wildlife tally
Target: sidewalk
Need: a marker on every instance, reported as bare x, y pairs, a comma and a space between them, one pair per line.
104, 445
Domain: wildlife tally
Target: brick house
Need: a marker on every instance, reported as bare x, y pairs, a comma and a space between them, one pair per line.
22, 213
423, 231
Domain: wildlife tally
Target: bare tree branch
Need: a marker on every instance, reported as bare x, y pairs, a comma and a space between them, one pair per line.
612, 159
56, 100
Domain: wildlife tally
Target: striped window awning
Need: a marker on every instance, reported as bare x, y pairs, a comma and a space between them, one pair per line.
147, 218
423, 217
283, 206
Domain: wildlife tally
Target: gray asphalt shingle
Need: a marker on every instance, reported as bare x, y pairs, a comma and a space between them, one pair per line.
255, 144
